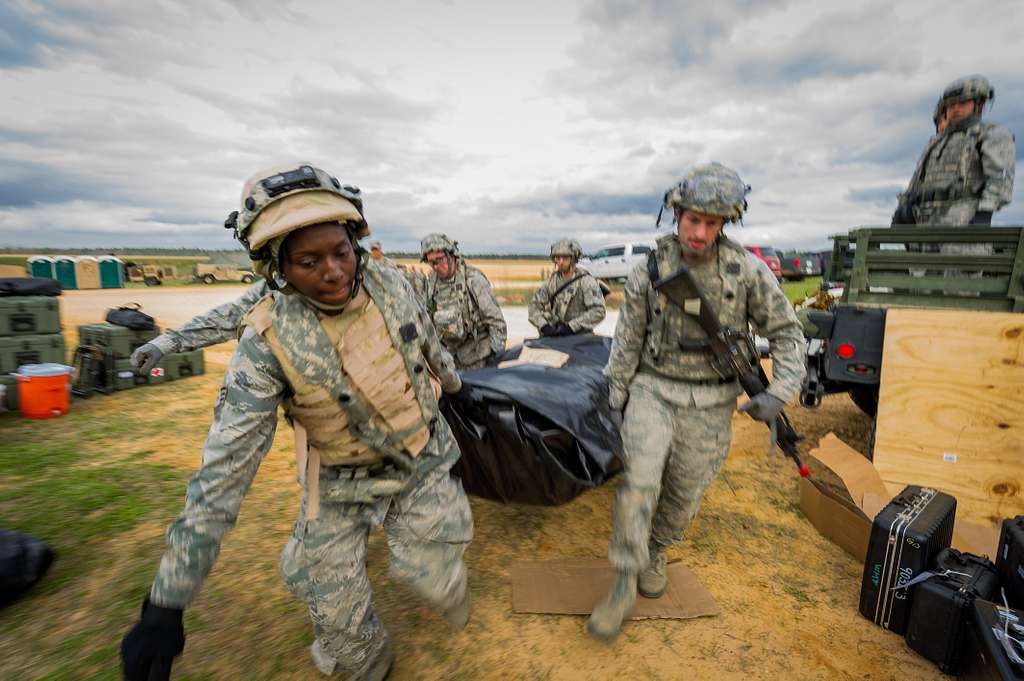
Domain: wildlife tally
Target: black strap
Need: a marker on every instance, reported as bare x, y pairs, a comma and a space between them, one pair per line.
563, 286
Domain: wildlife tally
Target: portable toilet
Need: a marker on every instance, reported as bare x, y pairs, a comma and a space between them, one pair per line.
87, 271
64, 266
42, 266
111, 272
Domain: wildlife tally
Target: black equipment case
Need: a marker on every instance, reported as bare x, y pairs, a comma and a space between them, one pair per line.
940, 613
989, 653
1010, 561
905, 538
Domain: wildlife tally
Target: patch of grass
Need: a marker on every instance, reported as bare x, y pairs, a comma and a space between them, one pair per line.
798, 290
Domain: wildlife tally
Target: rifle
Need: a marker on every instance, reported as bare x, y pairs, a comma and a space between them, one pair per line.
729, 359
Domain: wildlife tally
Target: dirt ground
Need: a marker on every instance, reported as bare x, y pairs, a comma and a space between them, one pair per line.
788, 596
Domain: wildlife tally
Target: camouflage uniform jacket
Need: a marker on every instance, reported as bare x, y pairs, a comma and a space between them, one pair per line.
580, 304
970, 167
245, 419
655, 339
215, 326
466, 314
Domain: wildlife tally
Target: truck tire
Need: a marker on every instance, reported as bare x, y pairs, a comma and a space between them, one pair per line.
247, 279
866, 398
209, 279
151, 281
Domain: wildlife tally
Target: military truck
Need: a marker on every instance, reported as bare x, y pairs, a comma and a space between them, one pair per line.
878, 268
151, 275
211, 274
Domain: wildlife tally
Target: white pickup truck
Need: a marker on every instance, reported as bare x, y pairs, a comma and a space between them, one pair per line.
616, 261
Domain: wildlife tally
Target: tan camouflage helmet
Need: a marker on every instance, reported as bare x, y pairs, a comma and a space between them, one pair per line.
712, 189
437, 242
968, 88
280, 200
569, 247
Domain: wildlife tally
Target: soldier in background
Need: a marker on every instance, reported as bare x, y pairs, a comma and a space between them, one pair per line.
677, 424
462, 304
342, 347
571, 300
966, 172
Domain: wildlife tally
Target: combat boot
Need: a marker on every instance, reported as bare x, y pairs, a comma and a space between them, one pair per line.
378, 671
654, 579
458, 615
606, 620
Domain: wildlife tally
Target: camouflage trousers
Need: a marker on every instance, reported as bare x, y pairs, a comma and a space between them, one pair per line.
671, 454
324, 563
949, 213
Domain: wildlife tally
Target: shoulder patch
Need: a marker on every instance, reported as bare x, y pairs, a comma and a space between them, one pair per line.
732, 268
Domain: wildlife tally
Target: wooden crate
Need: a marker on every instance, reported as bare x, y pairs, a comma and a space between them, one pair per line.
951, 408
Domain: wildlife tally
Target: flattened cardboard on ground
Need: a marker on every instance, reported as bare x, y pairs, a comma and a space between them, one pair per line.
848, 523
572, 586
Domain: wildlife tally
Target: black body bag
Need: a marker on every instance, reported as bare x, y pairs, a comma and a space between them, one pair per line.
534, 434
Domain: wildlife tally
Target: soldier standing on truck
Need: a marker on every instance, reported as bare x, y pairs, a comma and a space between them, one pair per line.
677, 421
966, 172
342, 347
462, 305
571, 300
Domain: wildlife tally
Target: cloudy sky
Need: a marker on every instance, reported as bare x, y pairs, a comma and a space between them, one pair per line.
504, 124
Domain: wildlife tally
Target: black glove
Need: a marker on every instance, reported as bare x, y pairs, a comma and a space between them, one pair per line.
492, 360
547, 330
463, 393
149, 648
145, 358
982, 217
562, 329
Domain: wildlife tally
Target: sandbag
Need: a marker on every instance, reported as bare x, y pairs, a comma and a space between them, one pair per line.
536, 434
29, 286
23, 562
132, 317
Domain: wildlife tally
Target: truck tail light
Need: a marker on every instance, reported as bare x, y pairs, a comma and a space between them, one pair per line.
796, 262
846, 351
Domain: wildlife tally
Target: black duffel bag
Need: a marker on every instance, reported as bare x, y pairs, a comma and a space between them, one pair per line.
29, 286
23, 562
132, 317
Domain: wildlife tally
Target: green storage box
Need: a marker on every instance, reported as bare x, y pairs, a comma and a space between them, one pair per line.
18, 350
10, 390
29, 315
182, 365
119, 340
124, 376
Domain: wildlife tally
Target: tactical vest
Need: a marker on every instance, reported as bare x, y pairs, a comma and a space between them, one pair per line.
454, 310
675, 346
360, 392
952, 168
561, 297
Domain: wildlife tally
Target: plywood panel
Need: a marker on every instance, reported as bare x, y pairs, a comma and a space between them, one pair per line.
951, 408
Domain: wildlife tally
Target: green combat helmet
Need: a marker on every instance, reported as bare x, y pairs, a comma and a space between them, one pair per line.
712, 189
278, 201
569, 247
437, 242
969, 88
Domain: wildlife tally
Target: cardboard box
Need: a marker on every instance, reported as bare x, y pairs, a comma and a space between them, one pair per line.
845, 516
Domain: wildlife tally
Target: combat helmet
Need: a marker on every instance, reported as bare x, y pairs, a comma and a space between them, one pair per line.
437, 242
712, 189
569, 247
280, 200
968, 88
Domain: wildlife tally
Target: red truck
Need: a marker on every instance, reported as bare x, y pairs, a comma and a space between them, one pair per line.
768, 256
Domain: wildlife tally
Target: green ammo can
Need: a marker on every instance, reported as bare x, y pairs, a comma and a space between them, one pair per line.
29, 315
119, 340
182, 364
18, 350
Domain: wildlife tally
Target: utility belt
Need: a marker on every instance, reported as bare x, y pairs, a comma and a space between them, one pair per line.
718, 380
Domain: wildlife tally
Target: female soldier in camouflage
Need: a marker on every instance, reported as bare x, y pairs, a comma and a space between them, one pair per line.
355, 362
